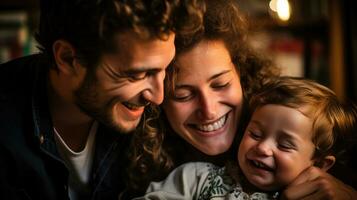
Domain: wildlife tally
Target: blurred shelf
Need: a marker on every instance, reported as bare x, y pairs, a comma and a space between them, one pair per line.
19, 4
18, 22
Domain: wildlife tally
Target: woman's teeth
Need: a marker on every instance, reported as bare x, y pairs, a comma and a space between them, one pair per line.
213, 126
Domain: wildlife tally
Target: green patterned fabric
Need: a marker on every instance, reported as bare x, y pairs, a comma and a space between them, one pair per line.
201, 181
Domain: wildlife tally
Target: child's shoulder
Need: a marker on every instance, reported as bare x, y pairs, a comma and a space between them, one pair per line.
211, 180
198, 165
200, 168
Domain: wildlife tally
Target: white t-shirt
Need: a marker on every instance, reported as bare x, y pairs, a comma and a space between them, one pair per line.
79, 164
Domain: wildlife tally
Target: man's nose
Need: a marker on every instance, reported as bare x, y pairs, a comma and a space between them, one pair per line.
154, 88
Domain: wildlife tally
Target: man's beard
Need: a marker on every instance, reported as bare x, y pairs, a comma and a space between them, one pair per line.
86, 98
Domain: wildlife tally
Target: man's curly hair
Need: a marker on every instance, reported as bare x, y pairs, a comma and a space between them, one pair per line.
91, 25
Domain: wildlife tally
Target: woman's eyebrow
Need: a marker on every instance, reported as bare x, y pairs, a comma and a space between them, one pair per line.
219, 74
209, 79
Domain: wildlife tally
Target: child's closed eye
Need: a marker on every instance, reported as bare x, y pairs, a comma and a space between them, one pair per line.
255, 134
286, 145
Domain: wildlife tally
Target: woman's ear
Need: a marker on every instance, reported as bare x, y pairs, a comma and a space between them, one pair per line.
327, 162
64, 54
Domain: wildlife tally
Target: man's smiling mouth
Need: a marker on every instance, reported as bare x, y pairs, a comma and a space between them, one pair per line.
132, 106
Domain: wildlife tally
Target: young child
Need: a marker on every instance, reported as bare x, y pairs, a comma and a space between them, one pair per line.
295, 123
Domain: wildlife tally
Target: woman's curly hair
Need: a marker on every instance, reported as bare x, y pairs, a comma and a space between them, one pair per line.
222, 21
146, 155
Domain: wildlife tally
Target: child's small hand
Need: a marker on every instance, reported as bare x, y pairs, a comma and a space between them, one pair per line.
314, 183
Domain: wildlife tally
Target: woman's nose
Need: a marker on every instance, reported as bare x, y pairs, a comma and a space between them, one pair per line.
208, 106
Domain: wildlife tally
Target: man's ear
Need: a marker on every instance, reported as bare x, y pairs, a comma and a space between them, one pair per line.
64, 54
326, 163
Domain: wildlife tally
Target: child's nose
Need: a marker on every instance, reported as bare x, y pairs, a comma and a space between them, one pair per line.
264, 148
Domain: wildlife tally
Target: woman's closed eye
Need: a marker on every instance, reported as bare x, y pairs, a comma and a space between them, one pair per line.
220, 85
182, 95
221, 82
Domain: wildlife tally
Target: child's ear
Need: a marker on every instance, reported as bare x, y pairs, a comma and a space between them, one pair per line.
326, 163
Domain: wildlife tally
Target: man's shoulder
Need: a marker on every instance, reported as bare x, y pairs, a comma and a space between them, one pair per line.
17, 76
18, 72
20, 63
15, 89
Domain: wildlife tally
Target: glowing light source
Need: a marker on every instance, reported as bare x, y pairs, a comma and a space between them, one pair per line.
281, 7
272, 5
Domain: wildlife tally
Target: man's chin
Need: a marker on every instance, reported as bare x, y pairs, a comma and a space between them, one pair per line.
125, 127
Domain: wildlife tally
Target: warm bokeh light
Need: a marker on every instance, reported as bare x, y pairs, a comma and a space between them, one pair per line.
272, 5
283, 9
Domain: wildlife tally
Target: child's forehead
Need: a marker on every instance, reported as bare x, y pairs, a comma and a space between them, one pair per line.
305, 109
281, 118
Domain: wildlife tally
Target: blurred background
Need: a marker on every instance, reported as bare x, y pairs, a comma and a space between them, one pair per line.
316, 39
18, 22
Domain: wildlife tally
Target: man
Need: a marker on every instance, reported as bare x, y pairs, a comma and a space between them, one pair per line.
65, 113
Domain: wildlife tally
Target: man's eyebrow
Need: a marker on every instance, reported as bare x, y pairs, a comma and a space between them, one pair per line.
130, 71
140, 70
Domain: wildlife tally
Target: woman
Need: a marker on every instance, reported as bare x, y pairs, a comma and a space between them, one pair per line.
215, 64
213, 74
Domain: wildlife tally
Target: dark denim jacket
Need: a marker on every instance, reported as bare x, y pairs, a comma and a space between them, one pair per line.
30, 166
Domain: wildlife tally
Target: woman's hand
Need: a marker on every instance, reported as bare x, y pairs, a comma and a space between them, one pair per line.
314, 183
